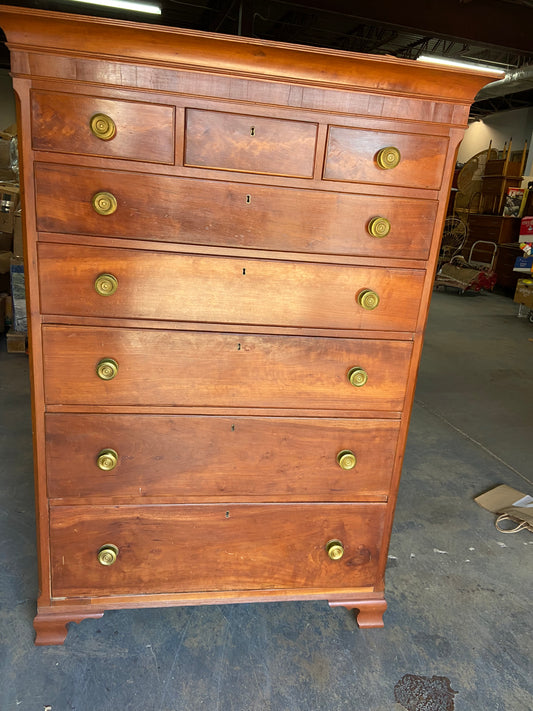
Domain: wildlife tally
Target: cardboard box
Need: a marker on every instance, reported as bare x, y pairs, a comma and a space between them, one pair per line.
5, 262
17, 247
16, 342
524, 263
524, 292
18, 291
511, 505
9, 202
7, 221
8, 305
526, 229
6, 242
3, 298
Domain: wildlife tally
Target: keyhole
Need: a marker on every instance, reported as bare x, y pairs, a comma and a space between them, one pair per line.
248, 199
227, 514
244, 271
252, 130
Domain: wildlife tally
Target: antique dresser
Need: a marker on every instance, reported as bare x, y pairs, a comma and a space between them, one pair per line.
230, 248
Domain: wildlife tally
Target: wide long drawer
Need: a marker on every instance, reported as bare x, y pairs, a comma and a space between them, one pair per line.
221, 213
213, 547
126, 283
236, 457
92, 125
201, 369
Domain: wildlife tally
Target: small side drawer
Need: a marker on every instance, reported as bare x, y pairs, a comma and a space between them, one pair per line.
213, 547
202, 369
136, 131
353, 155
240, 458
249, 144
181, 287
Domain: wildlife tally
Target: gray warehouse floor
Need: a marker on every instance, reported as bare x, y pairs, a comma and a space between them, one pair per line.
459, 614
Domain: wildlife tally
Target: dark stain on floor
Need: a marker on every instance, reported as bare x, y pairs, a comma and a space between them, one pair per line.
424, 693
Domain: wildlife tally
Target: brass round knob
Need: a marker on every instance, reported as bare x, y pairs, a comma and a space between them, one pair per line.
106, 284
107, 554
346, 459
107, 460
104, 203
357, 376
368, 299
388, 157
107, 368
335, 549
378, 227
103, 127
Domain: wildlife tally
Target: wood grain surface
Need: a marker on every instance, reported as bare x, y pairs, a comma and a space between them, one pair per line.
226, 370
180, 287
235, 457
213, 547
61, 123
173, 209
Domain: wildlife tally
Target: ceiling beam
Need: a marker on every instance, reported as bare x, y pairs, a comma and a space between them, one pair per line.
491, 22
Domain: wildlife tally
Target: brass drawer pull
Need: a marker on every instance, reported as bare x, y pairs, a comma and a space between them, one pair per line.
335, 549
378, 227
106, 284
107, 554
104, 203
103, 127
357, 376
346, 459
107, 369
388, 157
107, 460
368, 299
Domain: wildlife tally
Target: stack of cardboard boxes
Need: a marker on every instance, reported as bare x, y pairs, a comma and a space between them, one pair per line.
12, 292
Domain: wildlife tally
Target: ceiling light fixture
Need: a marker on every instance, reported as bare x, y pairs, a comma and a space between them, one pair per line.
125, 5
456, 63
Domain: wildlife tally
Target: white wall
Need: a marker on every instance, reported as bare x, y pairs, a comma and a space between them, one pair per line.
516, 125
7, 100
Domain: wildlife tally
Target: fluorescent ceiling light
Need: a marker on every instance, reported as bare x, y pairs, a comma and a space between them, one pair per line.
456, 63
125, 5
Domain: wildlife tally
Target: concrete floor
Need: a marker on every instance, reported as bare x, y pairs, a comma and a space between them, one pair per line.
458, 591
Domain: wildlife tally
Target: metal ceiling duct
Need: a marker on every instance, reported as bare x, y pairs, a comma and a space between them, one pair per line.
512, 83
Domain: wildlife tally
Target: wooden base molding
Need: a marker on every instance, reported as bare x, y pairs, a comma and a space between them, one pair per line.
369, 612
51, 627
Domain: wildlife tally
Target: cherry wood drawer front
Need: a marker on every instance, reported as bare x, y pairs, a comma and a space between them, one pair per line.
351, 155
236, 457
61, 123
155, 285
171, 209
249, 144
213, 547
185, 368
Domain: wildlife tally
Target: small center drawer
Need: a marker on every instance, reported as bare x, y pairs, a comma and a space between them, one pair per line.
92, 125
240, 458
155, 285
213, 547
183, 368
249, 144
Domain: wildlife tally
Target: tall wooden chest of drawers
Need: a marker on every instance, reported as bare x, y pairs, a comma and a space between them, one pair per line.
230, 248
